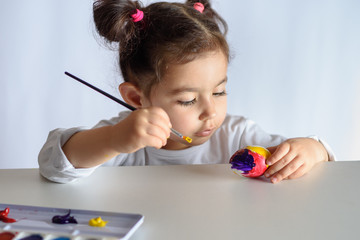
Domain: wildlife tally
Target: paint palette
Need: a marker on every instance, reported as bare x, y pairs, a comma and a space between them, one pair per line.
35, 223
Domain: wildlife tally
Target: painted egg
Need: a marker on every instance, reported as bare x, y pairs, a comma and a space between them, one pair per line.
250, 161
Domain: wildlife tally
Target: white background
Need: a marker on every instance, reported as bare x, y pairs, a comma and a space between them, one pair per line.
295, 70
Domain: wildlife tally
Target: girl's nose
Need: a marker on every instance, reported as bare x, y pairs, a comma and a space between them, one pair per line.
208, 111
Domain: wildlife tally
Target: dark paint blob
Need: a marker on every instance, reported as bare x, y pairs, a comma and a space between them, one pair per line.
33, 237
64, 219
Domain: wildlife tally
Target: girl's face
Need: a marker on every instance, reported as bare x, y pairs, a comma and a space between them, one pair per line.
194, 97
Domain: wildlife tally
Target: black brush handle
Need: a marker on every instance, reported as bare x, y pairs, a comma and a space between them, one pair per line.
102, 92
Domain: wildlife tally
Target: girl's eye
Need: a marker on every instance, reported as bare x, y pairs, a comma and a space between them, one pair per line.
187, 103
223, 93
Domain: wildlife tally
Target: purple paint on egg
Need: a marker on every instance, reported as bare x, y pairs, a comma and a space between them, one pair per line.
243, 161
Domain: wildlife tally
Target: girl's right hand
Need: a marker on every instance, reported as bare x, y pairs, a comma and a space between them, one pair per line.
143, 127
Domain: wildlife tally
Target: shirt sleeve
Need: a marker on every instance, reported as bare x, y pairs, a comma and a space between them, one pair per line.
330, 152
53, 164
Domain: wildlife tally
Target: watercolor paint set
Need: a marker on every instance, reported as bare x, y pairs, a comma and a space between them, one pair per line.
20, 222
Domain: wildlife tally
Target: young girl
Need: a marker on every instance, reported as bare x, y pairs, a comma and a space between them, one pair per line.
173, 58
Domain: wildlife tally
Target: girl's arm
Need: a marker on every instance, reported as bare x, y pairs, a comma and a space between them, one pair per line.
143, 127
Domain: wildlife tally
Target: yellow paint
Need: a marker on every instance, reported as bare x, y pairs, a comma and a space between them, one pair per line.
260, 150
189, 140
97, 222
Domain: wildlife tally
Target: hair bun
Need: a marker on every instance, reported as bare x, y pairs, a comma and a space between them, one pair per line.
113, 19
208, 11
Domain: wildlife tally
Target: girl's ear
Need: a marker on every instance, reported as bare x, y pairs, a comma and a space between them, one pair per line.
131, 94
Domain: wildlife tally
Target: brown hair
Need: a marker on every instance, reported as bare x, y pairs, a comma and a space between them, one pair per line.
169, 33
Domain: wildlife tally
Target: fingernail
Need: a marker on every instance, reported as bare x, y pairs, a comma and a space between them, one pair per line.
267, 175
274, 180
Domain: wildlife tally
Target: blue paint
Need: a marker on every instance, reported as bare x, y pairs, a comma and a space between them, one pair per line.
61, 238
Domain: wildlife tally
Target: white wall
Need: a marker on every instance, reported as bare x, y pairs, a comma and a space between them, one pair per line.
295, 71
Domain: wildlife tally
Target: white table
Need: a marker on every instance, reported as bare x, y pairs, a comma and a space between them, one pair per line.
206, 201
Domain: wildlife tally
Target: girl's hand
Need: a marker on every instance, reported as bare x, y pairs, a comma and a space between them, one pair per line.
293, 158
143, 127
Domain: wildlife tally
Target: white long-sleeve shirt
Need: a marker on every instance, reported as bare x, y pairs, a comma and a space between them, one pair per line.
235, 133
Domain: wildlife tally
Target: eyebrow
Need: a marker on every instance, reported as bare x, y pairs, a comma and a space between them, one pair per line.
187, 89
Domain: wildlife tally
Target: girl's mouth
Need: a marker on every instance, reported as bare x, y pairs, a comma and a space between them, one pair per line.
205, 133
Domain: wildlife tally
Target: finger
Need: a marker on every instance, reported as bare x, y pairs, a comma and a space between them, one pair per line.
153, 117
279, 153
152, 141
147, 134
298, 173
280, 164
143, 138
288, 170
159, 133
160, 118
272, 149
161, 126
159, 113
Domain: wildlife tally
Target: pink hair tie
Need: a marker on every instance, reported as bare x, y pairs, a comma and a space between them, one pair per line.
138, 16
199, 6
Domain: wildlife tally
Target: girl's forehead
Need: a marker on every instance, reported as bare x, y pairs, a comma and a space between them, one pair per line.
208, 69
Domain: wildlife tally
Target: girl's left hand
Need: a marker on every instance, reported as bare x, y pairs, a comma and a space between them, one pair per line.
293, 158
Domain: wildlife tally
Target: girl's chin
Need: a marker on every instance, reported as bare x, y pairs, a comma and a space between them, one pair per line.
176, 145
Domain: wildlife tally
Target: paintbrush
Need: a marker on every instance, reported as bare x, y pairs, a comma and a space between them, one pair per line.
188, 139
